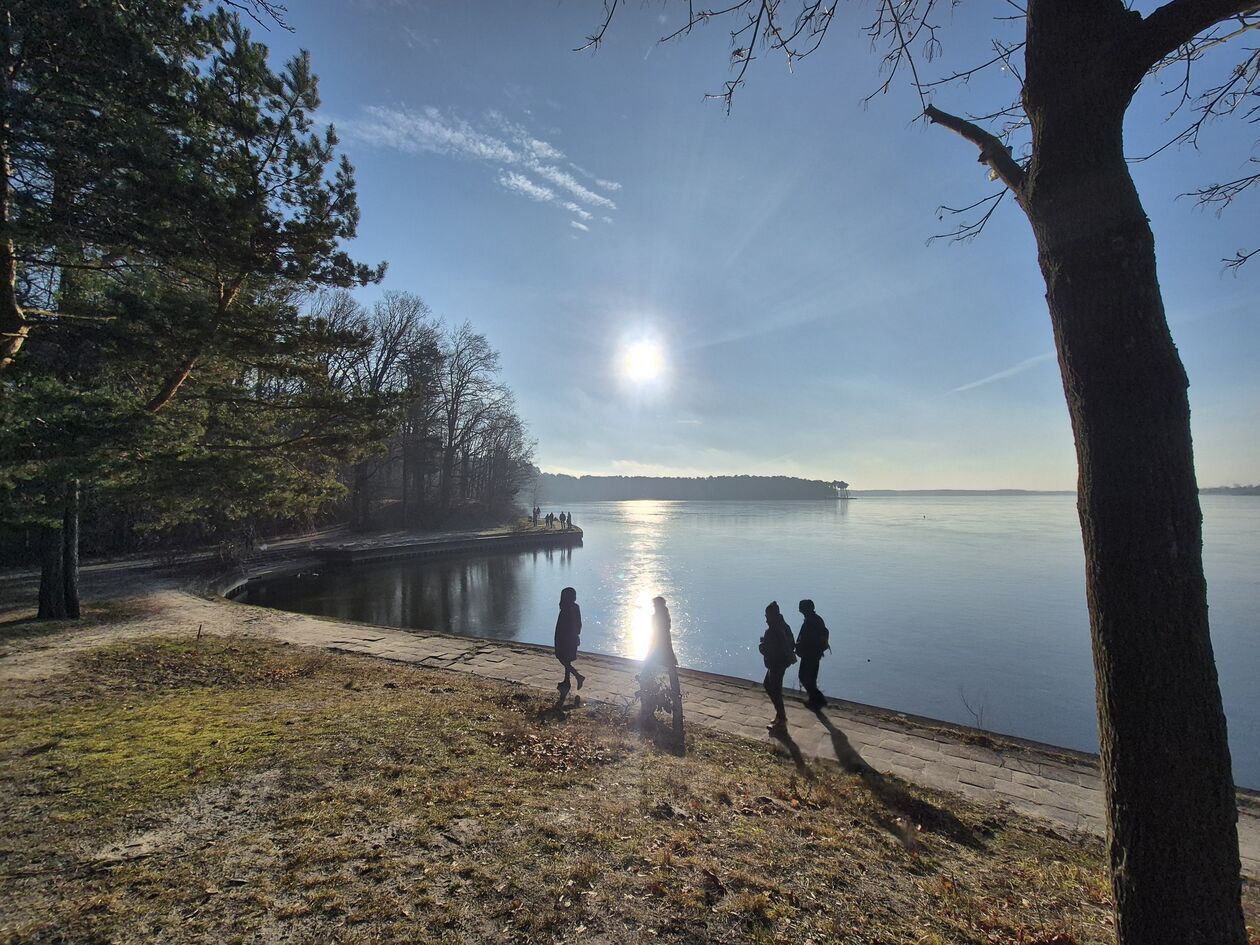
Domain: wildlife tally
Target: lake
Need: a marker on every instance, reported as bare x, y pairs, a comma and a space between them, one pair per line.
969, 609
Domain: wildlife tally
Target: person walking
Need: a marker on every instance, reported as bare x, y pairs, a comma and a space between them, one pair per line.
660, 655
661, 649
812, 642
568, 636
778, 652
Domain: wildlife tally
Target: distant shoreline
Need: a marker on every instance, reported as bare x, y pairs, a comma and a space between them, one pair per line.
663, 489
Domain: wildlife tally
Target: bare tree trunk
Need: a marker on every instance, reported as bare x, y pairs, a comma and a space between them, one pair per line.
70, 549
1171, 811
13, 324
361, 497
52, 586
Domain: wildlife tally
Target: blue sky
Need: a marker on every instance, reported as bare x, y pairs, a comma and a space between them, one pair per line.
570, 204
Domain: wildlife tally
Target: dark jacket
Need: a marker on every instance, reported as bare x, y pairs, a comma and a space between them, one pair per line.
568, 631
814, 638
662, 648
777, 644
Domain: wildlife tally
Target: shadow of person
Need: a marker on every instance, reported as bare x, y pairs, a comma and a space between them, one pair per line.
654, 695
782, 736
905, 809
558, 710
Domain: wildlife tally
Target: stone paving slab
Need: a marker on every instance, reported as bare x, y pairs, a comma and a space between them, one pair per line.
1055, 784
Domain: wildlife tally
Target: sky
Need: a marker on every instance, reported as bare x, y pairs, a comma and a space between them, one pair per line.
572, 205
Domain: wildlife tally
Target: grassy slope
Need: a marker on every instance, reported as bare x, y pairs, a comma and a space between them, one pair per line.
229, 790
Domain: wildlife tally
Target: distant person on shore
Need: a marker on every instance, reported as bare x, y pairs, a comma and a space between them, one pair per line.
564, 522
811, 643
537, 512
568, 636
778, 652
660, 656
570, 519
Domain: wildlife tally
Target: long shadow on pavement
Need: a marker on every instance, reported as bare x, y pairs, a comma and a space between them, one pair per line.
793, 749
905, 810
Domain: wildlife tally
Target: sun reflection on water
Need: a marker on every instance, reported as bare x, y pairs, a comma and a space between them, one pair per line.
644, 576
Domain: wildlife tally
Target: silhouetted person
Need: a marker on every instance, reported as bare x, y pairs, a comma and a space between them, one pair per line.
661, 650
564, 521
537, 512
811, 644
568, 635
660, 655
570, 519
777, 648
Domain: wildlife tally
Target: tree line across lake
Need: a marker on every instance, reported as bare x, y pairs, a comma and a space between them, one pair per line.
557, 487
181, 359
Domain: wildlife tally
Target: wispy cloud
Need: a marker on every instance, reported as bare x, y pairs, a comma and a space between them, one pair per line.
520, 184
1011, 371
521, 159
567, 181
580, 226
599, 181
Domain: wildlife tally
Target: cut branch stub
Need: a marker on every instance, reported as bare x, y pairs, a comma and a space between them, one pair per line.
992, 151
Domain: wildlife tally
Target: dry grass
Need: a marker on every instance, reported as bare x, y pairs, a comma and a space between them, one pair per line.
226, 790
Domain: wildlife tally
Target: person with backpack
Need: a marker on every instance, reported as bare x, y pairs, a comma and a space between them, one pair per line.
568, 636
778, 652
811, 644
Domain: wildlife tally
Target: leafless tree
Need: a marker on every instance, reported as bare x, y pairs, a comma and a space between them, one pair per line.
1058, 150
394, 366
468, 394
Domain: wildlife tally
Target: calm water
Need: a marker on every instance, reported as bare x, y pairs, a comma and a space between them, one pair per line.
934, 604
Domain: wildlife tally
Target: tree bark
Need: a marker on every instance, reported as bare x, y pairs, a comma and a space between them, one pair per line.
1171, 811
70, 549
52, 587
14, 327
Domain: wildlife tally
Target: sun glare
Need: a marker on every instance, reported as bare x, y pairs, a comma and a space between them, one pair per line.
643, 361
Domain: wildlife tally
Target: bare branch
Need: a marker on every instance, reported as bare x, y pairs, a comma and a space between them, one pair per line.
969, 230
992, 151
595, 39
1178, 22
1003, 56
273, 11
1239, 260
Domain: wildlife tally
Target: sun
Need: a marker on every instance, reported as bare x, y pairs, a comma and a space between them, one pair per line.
643, 361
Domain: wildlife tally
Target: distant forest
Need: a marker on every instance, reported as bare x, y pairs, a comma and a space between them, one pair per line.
1231, 490
553, 487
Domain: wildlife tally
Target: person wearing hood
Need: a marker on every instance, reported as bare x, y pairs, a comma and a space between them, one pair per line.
568, 635
778, 652
812, 643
